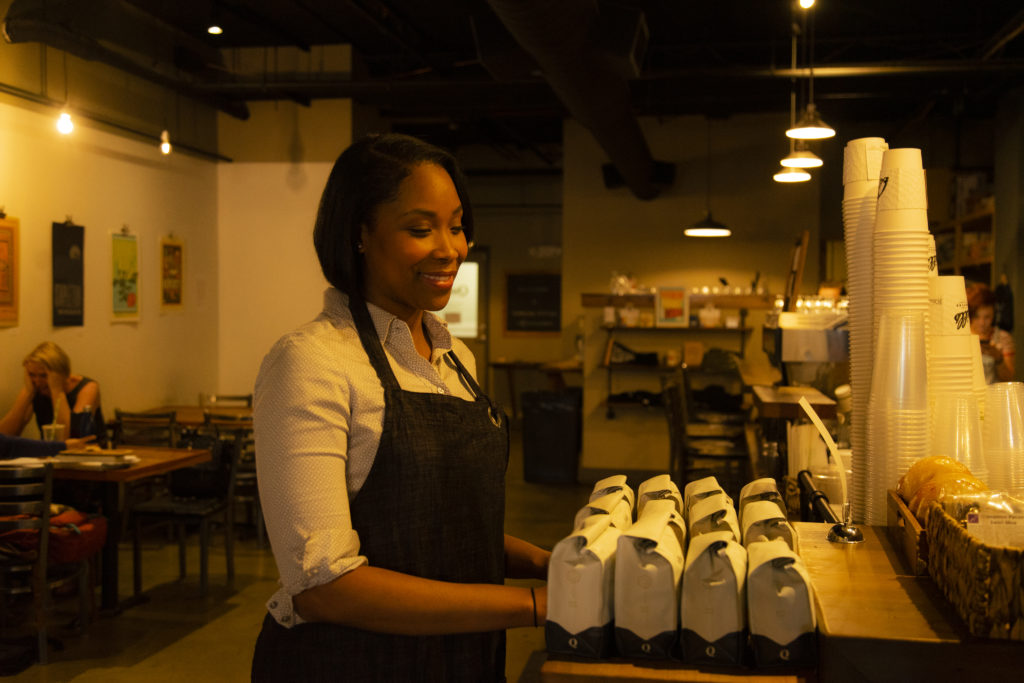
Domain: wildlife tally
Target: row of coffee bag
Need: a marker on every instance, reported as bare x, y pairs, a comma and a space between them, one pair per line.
687, 578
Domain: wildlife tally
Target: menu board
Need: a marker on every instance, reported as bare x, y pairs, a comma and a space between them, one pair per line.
533, 303
68, 273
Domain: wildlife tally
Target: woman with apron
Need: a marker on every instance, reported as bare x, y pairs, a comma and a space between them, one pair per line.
381, 463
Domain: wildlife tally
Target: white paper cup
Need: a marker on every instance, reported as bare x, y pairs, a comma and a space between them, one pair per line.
901, 219
862, 159
904, 158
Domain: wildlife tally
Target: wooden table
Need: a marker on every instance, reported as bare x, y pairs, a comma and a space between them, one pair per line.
193, 416
555, 372
152, 462
876, 622
784, 402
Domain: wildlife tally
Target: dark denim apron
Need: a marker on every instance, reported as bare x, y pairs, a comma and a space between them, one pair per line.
433, 505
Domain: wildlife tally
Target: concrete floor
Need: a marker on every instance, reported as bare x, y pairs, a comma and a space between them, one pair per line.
178, 636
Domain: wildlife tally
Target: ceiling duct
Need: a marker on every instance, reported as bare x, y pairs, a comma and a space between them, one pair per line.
569, 41
122, 36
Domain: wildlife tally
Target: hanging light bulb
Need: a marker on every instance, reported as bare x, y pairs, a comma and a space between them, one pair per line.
64, 123
810, 126
214, 29
707, 226
791, 175
801, 157
165, 142
806, 4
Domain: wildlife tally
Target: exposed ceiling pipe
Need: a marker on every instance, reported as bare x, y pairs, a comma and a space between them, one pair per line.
141, 45
563, 38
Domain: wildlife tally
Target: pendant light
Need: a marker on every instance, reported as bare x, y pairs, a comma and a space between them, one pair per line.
165, 142
800, 157
810, 126
707, 226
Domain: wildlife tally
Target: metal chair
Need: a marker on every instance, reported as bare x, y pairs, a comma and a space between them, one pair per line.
238, 429
25, 496
145, 429
197, 496
693, 456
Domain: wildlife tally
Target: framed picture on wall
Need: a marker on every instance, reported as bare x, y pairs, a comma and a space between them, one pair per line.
672, 307
172, 273
8, 272
124, 265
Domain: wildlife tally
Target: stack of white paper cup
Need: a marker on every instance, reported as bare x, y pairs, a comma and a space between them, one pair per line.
862, 162
949, 343
897, 407
897, 424
1004, 436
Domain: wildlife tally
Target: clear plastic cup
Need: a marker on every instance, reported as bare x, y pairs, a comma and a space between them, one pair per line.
900, 374
1004, 434
53, 432
957, 432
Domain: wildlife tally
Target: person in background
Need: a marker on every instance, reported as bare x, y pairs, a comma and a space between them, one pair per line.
997, 348
17, 447
381, 461
53, 394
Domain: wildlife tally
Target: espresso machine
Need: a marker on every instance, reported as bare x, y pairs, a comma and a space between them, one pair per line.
811, 345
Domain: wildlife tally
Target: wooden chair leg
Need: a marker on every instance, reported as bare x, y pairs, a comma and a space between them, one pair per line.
204, 556
179, 528
137, 556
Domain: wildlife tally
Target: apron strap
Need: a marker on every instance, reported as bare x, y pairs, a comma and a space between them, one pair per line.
371, 342
494, 410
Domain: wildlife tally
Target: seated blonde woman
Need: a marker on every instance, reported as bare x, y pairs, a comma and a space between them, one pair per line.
54, 395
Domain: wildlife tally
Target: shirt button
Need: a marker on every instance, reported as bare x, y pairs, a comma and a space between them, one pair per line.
273, 604
440, 390
286, 618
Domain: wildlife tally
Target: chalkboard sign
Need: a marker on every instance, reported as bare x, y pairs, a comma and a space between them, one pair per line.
533, 302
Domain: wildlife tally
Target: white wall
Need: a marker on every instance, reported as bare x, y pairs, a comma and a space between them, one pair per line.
103, 182
269, 278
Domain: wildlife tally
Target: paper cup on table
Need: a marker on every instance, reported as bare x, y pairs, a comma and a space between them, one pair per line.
53, 432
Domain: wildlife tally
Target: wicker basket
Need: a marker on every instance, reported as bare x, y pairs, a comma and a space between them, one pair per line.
984, 583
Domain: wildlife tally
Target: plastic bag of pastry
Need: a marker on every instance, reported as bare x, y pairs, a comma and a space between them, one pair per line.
941, 486
581, 576
657, 488
922, 471
994, 518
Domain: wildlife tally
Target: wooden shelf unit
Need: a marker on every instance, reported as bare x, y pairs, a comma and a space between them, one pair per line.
953, 249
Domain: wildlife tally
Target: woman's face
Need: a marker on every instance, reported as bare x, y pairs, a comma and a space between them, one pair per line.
981, 323
37, 373
416, 245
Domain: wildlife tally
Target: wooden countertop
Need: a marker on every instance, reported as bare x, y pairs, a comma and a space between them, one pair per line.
784, 402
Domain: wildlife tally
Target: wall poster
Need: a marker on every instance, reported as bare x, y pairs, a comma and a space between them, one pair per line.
68, 246
124, 262
8, 271
172, 272
672, 307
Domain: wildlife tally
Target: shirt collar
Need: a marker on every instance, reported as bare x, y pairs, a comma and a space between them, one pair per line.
336, 306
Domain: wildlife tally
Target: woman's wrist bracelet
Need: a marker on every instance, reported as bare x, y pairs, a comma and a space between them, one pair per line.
533, 596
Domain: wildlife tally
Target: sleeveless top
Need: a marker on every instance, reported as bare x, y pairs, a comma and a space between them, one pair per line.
82, 424
432, 506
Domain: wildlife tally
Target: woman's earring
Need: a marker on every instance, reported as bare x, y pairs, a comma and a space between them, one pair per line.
359, 247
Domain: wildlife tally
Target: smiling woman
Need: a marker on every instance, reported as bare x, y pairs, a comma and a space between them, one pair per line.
381, 462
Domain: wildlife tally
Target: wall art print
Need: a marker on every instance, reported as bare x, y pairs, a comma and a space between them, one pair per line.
124, 260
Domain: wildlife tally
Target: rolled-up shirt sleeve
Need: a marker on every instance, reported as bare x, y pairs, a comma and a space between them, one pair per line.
302, 412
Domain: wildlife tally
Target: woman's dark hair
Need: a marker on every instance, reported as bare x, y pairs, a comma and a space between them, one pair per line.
366, 175
979, 296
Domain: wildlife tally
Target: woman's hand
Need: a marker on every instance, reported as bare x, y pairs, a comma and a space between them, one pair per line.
993, 352
28, 388
73, 444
